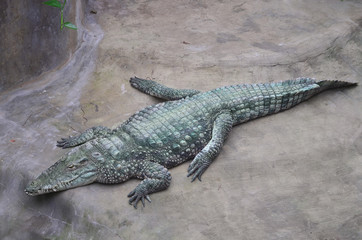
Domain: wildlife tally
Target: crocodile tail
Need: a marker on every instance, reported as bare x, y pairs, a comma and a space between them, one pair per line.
328, 84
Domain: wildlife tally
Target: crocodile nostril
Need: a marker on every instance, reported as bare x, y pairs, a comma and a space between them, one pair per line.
32, 184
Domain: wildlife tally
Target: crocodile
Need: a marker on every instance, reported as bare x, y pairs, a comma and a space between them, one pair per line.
191, 125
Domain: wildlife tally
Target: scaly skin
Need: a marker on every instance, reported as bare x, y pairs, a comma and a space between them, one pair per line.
162, 136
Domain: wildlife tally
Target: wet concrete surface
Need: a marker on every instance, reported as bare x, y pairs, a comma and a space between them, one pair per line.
294, 175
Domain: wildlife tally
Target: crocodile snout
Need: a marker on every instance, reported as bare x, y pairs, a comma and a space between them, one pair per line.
33, 188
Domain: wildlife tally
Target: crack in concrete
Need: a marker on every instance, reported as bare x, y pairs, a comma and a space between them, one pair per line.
306, 59
27, 119
83, 115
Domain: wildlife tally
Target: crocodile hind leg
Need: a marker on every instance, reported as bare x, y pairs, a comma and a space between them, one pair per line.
222, 126
155, 178
158, 90
87, 135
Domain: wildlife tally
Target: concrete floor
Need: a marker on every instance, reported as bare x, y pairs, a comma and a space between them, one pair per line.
294, 175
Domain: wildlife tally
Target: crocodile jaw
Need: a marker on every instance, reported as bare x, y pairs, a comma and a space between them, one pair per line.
36, 187
41, 185
72, 170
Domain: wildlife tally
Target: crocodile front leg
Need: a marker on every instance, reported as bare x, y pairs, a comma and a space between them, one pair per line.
156, 178
89, 134
222, 126
158, 90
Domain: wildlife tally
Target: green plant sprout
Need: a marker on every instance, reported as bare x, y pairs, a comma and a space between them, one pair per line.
60, 5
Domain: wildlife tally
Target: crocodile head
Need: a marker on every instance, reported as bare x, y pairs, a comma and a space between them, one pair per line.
72, 170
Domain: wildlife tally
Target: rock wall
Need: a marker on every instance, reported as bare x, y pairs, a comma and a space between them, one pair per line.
31, 41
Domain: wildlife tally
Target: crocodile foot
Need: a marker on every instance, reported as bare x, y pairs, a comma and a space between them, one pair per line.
136, 196
197, 168
66, 142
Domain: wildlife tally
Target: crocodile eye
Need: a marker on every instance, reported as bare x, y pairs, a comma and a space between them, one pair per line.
96, 154
71, 166
84, 160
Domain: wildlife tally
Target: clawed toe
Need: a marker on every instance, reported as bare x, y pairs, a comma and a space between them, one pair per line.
196, 170
64, 143
135, 198
135, 81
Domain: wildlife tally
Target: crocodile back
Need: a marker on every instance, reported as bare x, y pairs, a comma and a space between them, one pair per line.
174, 131
178, 130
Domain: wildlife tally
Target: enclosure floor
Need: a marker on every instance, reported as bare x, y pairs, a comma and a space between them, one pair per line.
295, 175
